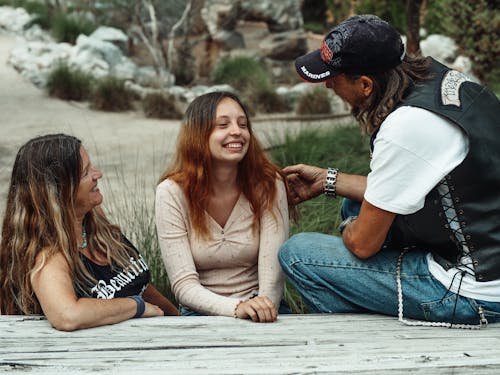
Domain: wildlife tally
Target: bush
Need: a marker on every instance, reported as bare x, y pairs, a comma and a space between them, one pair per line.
243, 73
111, 95
69, 83
250, 79
475, 26
314, 102
68, 28
160, 106
268, 101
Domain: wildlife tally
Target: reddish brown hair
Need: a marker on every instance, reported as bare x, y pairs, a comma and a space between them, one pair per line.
192, 165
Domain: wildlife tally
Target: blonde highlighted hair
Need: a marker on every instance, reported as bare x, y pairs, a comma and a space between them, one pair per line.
40, 220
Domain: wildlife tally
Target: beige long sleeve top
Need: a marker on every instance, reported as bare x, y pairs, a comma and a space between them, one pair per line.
212, 275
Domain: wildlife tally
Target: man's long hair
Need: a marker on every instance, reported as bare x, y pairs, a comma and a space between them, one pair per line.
192, 166
389, 90
39, 221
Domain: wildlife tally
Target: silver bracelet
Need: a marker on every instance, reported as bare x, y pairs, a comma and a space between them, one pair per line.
331, 182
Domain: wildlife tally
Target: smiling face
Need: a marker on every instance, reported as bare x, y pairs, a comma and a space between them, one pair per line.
88, 195
230, 137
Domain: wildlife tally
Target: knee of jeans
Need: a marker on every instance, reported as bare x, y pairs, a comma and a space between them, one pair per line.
292, 248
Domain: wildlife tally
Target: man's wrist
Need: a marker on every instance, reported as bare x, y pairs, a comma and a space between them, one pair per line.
345, 223
330, 187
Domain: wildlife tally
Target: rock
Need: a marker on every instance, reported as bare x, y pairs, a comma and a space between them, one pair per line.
221, 18
229, 40
286, 45
464, 65
112, 35
98, 49
13, 20
441, 47
279, 15
125, 70
34, 60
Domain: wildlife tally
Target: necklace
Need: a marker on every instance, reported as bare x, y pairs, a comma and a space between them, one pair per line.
84, 238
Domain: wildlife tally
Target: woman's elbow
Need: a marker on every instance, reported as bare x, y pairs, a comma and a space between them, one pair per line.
66, 322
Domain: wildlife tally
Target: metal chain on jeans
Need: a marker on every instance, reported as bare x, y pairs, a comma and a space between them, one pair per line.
483, 322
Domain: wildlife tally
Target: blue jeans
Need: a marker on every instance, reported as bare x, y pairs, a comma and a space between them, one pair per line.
333, 280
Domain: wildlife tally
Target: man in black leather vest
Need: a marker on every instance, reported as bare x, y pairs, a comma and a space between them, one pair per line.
421, 232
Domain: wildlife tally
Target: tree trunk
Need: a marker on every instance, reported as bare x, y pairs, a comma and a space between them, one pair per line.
413, 26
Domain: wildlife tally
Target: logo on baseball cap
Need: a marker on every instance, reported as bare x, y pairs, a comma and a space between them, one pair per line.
361, 44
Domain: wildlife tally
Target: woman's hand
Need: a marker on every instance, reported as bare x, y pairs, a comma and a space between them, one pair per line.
151, 310
259, 309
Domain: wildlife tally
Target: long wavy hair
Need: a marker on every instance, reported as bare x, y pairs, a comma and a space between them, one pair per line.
192, 165
40, 220
389, 90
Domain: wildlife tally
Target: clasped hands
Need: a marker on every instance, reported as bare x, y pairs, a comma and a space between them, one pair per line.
259, 309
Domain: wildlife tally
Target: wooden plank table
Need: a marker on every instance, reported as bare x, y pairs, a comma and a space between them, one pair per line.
296, 344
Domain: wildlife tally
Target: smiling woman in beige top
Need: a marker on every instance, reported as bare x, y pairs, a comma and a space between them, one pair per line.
222, 214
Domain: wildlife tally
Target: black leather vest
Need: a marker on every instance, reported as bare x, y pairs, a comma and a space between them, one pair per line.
473, 187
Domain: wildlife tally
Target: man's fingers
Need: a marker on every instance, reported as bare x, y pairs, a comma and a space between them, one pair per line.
291, 169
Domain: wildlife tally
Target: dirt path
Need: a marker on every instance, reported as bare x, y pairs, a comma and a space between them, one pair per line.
126, 141
126, 146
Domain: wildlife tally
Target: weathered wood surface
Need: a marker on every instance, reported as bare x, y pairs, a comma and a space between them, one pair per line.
296, 344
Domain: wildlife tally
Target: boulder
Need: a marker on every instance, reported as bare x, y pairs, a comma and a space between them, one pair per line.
441, 47
286, 45
13, 20
112, 35
279, 15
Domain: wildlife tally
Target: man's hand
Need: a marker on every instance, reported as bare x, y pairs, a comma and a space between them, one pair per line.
305, 181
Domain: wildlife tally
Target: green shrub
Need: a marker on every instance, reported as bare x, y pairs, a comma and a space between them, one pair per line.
251, 81
13, 3
69, 83
475, 27
342, 147
314, 102
160, 106
40, 13
243, 73
266, 100
68, 28
110, 94
315, 27
392, 11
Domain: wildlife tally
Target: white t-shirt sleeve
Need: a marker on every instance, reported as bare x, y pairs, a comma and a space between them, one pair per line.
413, 151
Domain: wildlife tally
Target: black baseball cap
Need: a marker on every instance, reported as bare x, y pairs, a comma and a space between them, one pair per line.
362, 44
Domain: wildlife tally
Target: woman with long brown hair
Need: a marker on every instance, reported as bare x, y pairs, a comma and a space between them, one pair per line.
59, 254
222, 214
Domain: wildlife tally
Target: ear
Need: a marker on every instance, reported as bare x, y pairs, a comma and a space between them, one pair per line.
366, 85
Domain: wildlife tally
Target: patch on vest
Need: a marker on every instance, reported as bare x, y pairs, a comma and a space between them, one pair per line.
450, 87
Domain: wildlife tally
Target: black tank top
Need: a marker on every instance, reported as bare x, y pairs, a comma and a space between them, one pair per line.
113, 283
